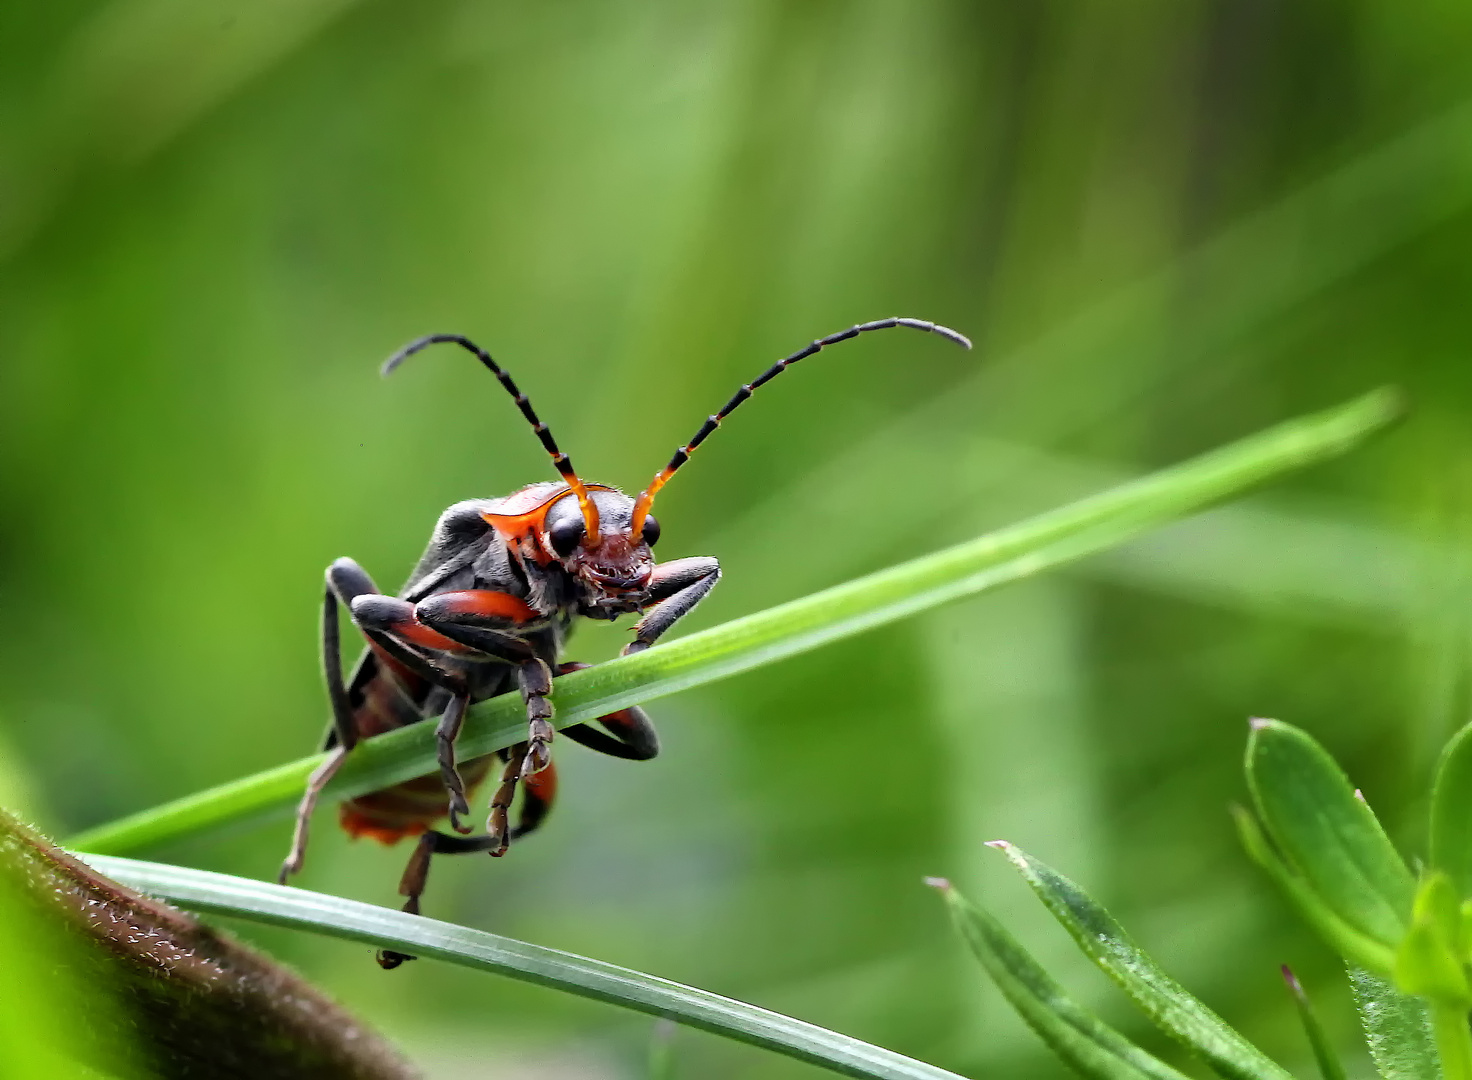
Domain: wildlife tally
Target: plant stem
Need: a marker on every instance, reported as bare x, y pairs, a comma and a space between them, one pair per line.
1453, 1041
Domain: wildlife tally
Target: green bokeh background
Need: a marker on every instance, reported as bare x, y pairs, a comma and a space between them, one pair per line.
1164, 224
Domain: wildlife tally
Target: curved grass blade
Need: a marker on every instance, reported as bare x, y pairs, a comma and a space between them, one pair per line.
1330, 1067
1327, 833
1451, 812
1169, 1006
1397, 1029
1015, 552
201, 890
1080, 1038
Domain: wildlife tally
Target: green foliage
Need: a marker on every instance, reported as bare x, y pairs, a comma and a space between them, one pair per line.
1397, 1028
1160, 997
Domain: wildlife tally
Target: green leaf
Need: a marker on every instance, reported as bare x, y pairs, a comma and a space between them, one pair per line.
1006, 555
1354, 946
1330, 1067
1167, 1003
1451, 812
1326, 833
1080, 1038
276, 905
1397, 1028
1429, 960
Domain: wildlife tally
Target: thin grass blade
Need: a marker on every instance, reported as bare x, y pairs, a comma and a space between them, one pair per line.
1168, 1004
1330, 1067
1081, 1039
1018, 551
222, 894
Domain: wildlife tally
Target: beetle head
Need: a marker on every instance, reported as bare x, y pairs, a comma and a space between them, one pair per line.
615, 567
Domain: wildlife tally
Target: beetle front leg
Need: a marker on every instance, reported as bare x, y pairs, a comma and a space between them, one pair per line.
675, 590
631, 733
527, 759
346, 580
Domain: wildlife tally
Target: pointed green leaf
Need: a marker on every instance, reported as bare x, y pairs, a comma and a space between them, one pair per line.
1397, 1029
1165, 1001
1330, 1067
1429, 962
1326, 833
1354, 946
277, 905
1081, 1039
1451, 812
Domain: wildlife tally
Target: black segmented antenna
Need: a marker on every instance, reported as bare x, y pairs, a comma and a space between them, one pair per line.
682, 455
560, 461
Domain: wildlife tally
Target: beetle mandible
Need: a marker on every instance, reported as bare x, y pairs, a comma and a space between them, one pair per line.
487, 610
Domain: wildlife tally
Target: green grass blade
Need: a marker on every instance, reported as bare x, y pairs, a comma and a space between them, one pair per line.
1330, 1067
1327, 833
222, 894
1397, 1029
1451, 813
1081, 1039
1169, 1006
1005, 555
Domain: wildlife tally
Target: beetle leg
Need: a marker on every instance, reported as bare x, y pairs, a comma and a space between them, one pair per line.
445, 734
345, 580
496, 830
675, 590
525, 759
631, 732
416, 877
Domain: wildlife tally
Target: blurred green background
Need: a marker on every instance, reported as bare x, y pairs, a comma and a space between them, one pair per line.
1164, 224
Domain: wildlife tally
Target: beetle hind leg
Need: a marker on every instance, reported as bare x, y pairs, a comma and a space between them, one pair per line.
416, 877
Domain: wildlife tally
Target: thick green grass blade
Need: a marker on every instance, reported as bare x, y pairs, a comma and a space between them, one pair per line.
1169, 1006
1081, 1039
1397, 1029
222, 894
1006, 555
1451, 813
1327, 833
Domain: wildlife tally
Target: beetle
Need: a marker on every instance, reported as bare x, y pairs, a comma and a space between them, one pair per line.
487, 610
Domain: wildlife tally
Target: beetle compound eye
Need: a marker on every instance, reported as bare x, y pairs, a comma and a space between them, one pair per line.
651, 531
566, 535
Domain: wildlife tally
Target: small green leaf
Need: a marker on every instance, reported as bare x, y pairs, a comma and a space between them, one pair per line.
1330, 1067
1327, 833
1354, 946
1429, 960
1080, 1038
1165, 1001
1397, 1029
277, 905
1451, 812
